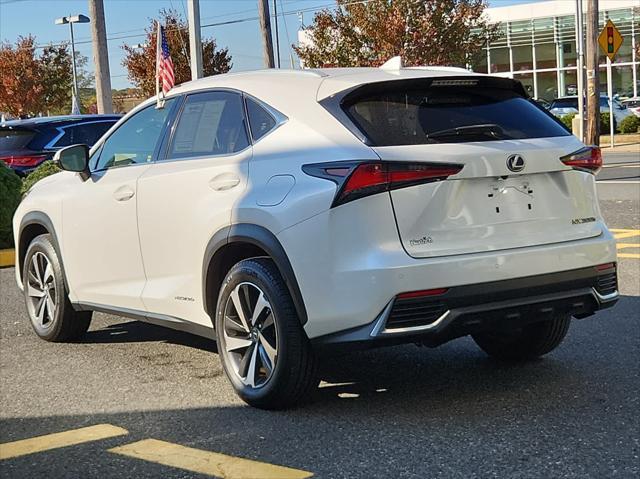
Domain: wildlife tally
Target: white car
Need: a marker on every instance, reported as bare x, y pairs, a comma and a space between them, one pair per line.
293, 214
633, 105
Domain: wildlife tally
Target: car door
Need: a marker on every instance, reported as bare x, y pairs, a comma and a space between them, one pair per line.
100, 232
186, 197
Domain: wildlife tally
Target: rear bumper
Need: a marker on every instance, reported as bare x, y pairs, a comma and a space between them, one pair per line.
463, 310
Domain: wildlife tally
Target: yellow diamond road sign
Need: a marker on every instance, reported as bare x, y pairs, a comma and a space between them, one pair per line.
610, 40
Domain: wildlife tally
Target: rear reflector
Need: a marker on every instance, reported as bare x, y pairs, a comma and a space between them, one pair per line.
605, 267
424, 292
23, 160
588, 159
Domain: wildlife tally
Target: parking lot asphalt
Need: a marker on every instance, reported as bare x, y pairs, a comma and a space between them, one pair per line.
156, 402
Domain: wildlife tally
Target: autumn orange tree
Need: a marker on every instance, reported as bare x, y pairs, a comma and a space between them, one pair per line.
141, 62
32, 83
423, 32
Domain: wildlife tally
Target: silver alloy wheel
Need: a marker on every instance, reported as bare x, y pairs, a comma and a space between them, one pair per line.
250, 335
41, 290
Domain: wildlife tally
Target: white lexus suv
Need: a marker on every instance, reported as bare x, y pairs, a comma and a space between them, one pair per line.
291, 214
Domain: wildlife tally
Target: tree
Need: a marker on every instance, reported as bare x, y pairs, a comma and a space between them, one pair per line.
423, 32
141, 62
32, 84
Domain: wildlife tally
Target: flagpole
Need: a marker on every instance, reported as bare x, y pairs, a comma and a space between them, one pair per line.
159, 102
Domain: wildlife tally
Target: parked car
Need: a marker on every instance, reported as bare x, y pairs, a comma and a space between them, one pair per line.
24, 144
569, 105
293, 214
633, 105
543, 103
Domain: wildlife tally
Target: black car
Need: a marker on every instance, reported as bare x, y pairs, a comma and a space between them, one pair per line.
24, 144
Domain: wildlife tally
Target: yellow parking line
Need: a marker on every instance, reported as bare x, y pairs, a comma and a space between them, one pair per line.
7, 257
629, 255
627, 245
47, 442
206, 462
620, 233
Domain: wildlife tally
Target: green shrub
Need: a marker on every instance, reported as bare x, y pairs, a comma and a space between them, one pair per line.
630, 124
604, 123
9, 200
568, 120
47, 168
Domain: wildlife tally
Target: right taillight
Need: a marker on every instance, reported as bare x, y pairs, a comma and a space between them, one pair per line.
359, 179
587, 159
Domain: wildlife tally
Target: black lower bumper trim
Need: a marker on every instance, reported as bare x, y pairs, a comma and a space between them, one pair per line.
470, 309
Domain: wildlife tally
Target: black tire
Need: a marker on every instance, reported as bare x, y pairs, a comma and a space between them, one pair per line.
65, 324
530, 342
294, 376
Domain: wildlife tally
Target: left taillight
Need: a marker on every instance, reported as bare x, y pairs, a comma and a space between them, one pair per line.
586, 159
23, 160
359, 179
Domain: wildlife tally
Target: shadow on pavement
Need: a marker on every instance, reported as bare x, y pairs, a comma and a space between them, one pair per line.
397, 412
137, 331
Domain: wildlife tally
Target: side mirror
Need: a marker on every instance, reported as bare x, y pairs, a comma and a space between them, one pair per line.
74, 158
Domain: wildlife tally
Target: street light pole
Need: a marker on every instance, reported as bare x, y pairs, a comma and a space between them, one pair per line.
73, 62
71, 20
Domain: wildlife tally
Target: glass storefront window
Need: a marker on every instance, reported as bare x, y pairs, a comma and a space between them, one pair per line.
570, 82
546, 56
521, 45
547, 85
567, 37
527, 81
499, 60
522, 58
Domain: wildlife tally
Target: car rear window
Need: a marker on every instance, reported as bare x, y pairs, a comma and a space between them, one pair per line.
83, 133
11, 139
448, 113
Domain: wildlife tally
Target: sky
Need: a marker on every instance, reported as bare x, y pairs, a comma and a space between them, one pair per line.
126, 20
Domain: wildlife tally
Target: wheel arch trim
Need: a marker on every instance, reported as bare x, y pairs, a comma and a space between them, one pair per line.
257, 236
41, 219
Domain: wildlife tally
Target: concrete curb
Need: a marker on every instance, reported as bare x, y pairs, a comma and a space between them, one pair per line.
7, 257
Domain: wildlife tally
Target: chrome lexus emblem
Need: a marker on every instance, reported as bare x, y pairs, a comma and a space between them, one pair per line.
515, 163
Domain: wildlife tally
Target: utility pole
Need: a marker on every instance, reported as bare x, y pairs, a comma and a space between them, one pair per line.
100, 57
592, 133
275, 16
195, 41
580, 50
265, 26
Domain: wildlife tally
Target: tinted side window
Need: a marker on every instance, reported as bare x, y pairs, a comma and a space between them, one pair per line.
84, 133
260, 120
211, 123
135, 140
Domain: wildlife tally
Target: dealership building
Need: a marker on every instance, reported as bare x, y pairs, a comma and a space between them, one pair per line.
538, 47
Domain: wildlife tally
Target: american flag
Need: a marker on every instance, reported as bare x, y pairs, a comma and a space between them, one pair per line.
164, 64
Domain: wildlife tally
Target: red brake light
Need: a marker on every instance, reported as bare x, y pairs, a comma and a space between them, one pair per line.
374, 177
23, 160
588, 158
424, 292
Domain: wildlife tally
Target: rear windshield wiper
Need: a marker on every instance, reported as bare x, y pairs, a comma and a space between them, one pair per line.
490, 129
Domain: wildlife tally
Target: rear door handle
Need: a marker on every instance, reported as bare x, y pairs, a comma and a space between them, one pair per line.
123, 193
224, 181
